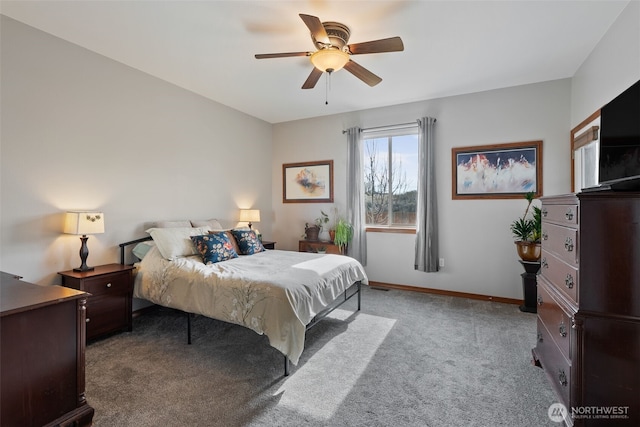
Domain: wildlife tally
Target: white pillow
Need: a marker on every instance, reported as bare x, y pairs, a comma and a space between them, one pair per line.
214, 224
176, 241
172, 224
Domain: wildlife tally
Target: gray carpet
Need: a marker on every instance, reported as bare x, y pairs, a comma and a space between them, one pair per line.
406, 359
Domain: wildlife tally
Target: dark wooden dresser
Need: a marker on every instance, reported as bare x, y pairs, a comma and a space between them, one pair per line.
43, 355
589, 305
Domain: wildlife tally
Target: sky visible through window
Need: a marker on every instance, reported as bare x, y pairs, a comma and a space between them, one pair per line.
405, 152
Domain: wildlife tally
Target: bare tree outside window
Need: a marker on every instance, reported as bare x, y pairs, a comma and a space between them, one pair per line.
391, 172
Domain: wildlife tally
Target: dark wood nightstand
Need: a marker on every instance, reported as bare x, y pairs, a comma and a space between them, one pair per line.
268, 244
314, 245
111, 289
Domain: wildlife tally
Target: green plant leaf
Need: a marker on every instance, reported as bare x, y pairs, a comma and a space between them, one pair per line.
344, 233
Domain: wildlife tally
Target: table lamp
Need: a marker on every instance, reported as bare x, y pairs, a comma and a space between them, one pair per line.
250, 215
83, 223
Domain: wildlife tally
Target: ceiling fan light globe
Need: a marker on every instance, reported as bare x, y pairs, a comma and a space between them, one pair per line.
329, 59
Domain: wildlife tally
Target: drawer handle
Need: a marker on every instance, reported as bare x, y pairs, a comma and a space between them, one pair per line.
568, 281
563, 330
562, 378
109, 285
568, 244
569, 214
540, 300
544, 263
545, 236
87, 320
545, 212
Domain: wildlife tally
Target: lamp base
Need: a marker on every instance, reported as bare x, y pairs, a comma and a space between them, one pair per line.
84, 253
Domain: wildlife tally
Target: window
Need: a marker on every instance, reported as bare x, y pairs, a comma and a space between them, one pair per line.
585, 144
586, 164
391, 179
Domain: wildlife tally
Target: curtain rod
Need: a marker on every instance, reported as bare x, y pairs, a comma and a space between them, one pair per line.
388, 127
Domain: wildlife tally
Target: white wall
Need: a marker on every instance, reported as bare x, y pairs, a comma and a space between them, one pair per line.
80, 131
475, 240
612, 66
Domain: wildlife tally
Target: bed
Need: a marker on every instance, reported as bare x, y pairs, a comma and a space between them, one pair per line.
277, 293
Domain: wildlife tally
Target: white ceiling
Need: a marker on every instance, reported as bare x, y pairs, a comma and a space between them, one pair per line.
451, 47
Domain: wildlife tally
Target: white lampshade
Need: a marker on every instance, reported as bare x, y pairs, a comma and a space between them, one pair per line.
249, 215
329, 59
84, 223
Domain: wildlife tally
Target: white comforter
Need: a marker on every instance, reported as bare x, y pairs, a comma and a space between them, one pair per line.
276, 293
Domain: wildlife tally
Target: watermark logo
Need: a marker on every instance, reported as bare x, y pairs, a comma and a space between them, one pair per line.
557, 412
600, 412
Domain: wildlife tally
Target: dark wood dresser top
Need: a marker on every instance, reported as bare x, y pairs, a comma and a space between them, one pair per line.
17, 296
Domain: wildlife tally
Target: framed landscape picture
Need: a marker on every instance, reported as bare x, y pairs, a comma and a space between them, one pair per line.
499, 171
308, 182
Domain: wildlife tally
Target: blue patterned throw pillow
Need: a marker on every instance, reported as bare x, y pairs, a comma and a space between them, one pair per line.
214, 247
248, 242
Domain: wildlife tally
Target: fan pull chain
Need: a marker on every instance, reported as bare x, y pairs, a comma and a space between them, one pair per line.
327, 87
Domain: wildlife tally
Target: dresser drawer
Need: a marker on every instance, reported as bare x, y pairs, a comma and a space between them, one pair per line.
562, 275
555, 318
557, 368
101, 285
562, 241
561, 214
107, 313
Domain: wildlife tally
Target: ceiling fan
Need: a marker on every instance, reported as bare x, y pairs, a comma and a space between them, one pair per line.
333, 52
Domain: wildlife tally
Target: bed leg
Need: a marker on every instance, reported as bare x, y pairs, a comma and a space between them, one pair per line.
286, 366
359, 293
188, 329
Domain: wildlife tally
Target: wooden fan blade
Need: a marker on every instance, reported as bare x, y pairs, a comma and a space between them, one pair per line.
392, 44
362, 73
316, 28
313, 78
281, 55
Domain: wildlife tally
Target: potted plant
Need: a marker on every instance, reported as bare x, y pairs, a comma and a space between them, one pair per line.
323, 224
344, 234
528, 230
311, 232
332, 229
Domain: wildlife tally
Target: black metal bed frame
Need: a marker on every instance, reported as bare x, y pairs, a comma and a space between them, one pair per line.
347, 295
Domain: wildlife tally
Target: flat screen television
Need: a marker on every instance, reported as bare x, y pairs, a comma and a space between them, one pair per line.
619, 165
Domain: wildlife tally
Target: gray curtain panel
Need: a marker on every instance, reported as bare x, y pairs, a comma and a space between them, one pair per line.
355, 195
426, 258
